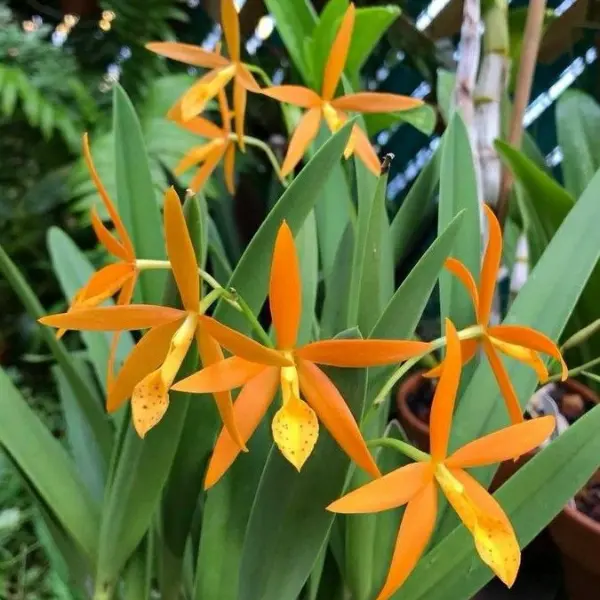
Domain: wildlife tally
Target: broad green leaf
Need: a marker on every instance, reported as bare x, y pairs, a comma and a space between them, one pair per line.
295, 21
445, 93
289, 524
74, 270
306, 244
136, 197
87, 397
228, 504
422, 118
458, 191
47, 467
556, 284
409, 219
531, 498
578, 131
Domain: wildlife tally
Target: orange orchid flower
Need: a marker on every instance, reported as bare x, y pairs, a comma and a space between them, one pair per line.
415, 485
333, 110
223, 70
517, 341
120, 276
151, 367
295, 426
221, 145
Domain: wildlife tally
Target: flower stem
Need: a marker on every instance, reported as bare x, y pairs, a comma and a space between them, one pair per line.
144, 264
406, 449
256, 326
252, 141
577, 370
210, 299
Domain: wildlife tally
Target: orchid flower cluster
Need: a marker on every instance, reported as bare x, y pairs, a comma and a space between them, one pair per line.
308, 396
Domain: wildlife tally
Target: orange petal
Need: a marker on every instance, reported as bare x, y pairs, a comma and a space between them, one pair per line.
285, 289
204, 172
468, 349
249, 408
245, 77
338, 54
444, 398
229, 168
361, 353
194, 101
221, 376
114, 318
231, 28
389, 491
335, 415
239, 110
203, 127
415, 532
529, 338
490, 266
303, 135
294, 94
199, 154
146, 356
105, 283
494, 537
105, 237
529, 357
365, 150
459, 270
508, 392
108, 203
242, 345
224, 111
510, 442
189, 54
180, 251
376, 102
211, 354
149, 402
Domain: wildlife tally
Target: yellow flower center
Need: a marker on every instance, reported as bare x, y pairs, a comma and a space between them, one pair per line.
522, 354
295, 426
335, 120
150, 398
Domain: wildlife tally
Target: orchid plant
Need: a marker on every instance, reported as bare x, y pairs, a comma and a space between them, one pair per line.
216, 479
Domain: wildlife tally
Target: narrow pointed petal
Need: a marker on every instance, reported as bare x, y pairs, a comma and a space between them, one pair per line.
365, 151
201, 126
301, 139
189, 54
229, 168
206, 170
198, 154
507, 443
444, 398
180, 251
231, 28
285, 289
294, 94
529, 357
194, 101
532, 339
106, 282
146, 356
490, 266
513, 406
245, 77
459, 270
361, 353
210, 354
376, 102
243, 346
106, 238
108, 203
249, 408
494, 537
114, 318
239, 111
224, 375
389, 491
468, 349
338, 54
335, 415
415, 532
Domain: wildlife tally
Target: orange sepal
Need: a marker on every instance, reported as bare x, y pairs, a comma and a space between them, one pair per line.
490, 266
189, 54
365, 151
303, 135
376, 102
294, 94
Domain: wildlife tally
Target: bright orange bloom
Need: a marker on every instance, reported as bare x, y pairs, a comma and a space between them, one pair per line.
295, 426
334, 110
415, 484
119, 276
516, 341
151, 367
223, 70
209, 155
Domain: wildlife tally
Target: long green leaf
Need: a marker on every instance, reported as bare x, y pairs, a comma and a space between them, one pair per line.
48, 468
531, 498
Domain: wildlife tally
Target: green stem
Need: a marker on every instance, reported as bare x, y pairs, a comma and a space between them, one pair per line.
210, 299
252, 141
576, 370
144, 264
406, 449
592, 376
256, 326
256, 69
